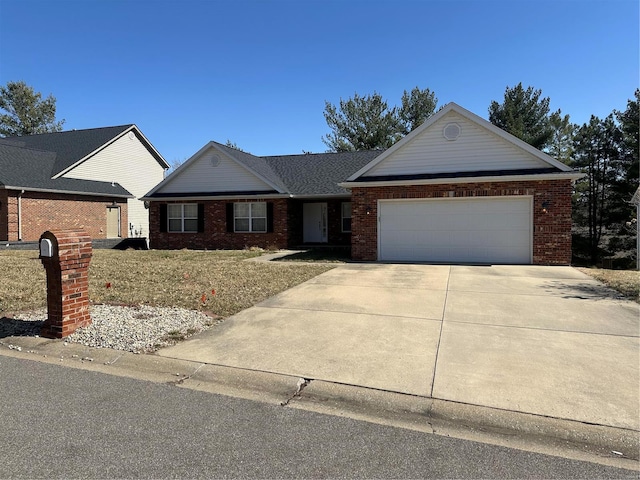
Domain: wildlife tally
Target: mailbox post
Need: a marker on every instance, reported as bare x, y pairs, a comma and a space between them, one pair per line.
65, 255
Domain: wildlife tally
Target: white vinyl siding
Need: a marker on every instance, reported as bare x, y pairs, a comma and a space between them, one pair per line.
127, 162
250, 217
202, 176
182, 217
458, 230
476, 149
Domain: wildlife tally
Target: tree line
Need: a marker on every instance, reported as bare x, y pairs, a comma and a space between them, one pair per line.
605, 149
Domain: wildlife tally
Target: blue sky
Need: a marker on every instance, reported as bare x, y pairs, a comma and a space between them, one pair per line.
258, 72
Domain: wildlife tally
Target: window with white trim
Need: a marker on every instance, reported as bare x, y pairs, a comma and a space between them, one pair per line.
250, 217
182, 217
346, 217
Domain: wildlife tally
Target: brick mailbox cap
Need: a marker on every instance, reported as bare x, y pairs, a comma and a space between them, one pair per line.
64, 239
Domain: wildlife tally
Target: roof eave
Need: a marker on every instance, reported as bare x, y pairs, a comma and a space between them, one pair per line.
213, 197
66, 192
573, 176
473, 118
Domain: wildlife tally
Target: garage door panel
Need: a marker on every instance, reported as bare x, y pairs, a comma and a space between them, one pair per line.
486, 230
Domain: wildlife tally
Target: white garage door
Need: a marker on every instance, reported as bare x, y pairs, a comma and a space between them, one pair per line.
467, 230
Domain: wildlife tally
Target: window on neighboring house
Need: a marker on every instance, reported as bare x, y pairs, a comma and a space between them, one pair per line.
250, 217
346, 217
182, 217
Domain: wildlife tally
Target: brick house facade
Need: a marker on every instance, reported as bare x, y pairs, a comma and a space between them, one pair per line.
41, 211
456, 190
285, 227
551, 235
79, 179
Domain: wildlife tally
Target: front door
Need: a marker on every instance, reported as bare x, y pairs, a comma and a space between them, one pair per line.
113, 222
314, 220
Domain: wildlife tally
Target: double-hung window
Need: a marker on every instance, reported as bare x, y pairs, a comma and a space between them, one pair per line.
250, 217
182, 217
346, 217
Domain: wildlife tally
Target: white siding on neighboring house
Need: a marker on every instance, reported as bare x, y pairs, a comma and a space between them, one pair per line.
127, 162
213, 172
475, 149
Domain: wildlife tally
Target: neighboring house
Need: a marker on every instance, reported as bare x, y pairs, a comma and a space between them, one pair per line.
90, 179
456, 189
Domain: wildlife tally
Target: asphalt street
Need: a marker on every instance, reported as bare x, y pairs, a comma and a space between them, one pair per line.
58, 422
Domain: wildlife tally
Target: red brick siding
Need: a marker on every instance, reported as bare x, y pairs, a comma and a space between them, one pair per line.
551, 230
46, 211
215, 235
67, 283
4, 215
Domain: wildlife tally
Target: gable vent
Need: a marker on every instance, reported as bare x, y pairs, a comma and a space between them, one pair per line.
214, 160
451, 131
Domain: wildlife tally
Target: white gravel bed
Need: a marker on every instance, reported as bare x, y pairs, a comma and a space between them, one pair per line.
137, 329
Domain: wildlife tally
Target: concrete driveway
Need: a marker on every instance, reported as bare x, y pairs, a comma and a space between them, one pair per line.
549, 341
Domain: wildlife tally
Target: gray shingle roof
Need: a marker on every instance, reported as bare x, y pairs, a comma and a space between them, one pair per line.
32, 169
70, 146
319, 173
302, 175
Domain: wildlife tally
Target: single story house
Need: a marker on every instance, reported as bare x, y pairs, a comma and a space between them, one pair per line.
91, 179
456, 189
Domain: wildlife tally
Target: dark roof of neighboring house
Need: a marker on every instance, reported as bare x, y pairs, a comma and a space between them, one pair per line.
70, 146
319, 173
73, 145
32, 169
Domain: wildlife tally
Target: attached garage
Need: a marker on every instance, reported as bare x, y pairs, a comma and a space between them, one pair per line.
456, 230
458, 189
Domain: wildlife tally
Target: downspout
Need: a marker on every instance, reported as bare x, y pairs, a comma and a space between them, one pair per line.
20, 215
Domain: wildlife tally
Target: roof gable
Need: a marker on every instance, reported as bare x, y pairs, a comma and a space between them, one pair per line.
303, 175
74, 146
219, 169
29, 169
456, 141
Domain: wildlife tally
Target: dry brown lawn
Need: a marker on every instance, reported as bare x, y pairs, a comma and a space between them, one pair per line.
219, 282
627, 282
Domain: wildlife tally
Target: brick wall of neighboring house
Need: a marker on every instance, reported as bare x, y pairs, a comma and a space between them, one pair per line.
45, 211
551, 230
4, 216
215, 235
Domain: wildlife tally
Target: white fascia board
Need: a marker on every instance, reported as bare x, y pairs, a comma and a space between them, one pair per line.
197, 155
214, 197
497, 178
510, 138
165, 181
86, 157
67, 192
165, 165
321, 196
146, 142
481, 122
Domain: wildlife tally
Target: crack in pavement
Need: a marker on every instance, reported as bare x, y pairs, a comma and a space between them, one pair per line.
186, 377
302, 383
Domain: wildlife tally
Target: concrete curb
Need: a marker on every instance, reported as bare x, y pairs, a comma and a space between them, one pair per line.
572, 439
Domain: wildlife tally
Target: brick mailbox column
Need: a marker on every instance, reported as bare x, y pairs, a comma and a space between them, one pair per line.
65, 255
